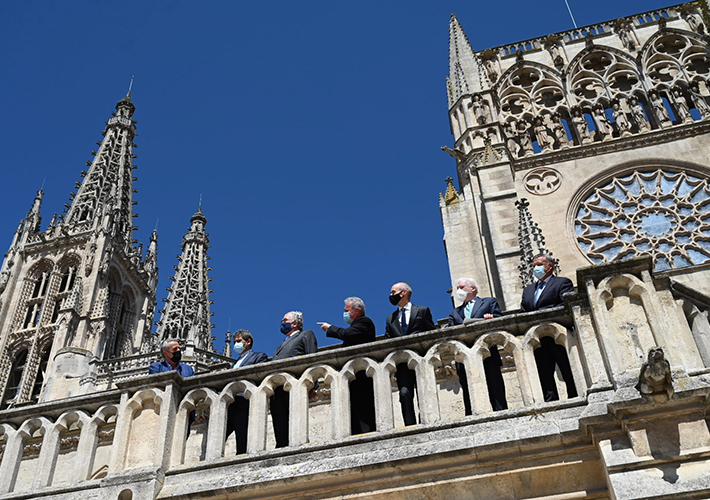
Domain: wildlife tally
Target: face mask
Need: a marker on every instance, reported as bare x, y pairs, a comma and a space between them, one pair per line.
285, 328
347, 318
539, 272
238, 348
461, 295
177, 356
394, 299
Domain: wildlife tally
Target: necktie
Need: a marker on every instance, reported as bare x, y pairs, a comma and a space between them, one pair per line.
468, 309
538, 290
404, 321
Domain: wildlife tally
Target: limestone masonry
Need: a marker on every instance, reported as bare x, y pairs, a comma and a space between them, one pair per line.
591, 144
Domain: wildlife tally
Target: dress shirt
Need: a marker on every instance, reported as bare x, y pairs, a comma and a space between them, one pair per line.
539, 289
241, 359
469, 308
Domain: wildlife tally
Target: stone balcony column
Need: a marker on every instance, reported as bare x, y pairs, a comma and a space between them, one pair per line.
427, 393
298, 412
384, 412
594, 367
120, 436
86, 451
258, 416
477, 388
10, 465
339, 406
217, 426
47, 457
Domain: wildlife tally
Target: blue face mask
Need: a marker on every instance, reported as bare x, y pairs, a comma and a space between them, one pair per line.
238, 348
285, 328
347, 318
539, 272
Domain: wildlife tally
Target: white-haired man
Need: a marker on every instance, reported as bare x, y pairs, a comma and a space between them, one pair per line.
172, 356
475, 307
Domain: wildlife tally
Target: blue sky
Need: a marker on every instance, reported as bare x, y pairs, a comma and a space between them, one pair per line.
311, 130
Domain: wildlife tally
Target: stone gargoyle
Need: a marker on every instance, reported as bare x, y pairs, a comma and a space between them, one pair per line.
655, 377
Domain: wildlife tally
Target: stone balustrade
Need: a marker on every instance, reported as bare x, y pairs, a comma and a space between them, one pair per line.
140, 434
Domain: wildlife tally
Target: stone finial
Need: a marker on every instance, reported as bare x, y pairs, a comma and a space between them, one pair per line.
655, 376
450, 195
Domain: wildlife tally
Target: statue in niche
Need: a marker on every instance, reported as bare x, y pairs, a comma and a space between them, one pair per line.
626, 35
655, 376
682, 110
693, 19
637, 115
522, 129
491, 69
659, 108
580, 125
544, 140
552, 45
559, 130
480, 109
622, 123
510, 139
604, 128
699, 101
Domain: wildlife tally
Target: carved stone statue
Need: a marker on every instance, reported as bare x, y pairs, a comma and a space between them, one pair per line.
637, 115
524, 137
655, 376
694, 21
580, 124
659, 108
510, 139
480, 110
626, 35
622, 123
559, 130
491, 69
604, 128
699, 101
681, 105
544, 140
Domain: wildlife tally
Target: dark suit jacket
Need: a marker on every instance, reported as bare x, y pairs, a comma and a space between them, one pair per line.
482, 305
298, 344
551, 295
420, 320
361, 331
252, 358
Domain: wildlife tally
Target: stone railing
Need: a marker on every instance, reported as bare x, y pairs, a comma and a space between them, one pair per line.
162, 433
583, 32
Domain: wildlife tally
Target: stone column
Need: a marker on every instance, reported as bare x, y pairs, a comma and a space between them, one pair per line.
298, 413
10, 465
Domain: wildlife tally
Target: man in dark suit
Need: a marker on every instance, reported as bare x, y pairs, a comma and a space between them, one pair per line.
172, 355
547, 292
475, 307
407, 319
238, 411
362, 394
297, 343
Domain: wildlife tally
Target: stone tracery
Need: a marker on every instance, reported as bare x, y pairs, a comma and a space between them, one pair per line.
661, 213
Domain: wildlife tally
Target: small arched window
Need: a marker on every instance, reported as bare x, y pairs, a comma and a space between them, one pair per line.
13, 381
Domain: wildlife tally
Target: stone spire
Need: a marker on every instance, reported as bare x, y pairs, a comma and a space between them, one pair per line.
531, 240
466, 76
187, 313
33, 220
105, 197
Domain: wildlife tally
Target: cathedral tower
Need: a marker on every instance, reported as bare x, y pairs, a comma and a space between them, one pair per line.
186, 315
80, 290
598, 135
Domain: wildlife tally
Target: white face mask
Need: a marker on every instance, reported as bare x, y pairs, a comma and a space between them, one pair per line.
539, 272
238, 348
461, 295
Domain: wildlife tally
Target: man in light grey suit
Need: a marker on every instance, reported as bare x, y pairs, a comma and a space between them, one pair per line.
297, 343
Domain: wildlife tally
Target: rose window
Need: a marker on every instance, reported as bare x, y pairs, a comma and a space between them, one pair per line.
660, 213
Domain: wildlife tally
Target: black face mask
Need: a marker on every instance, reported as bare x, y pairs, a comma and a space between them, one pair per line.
394, 299
177, 356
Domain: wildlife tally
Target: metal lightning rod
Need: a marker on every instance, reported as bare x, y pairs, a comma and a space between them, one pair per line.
570, 14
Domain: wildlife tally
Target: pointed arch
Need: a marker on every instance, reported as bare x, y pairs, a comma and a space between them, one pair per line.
674, 57
530, 89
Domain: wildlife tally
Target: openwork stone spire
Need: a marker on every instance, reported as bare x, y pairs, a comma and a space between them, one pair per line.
531, 240
107, 188
187, 314
465, 73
